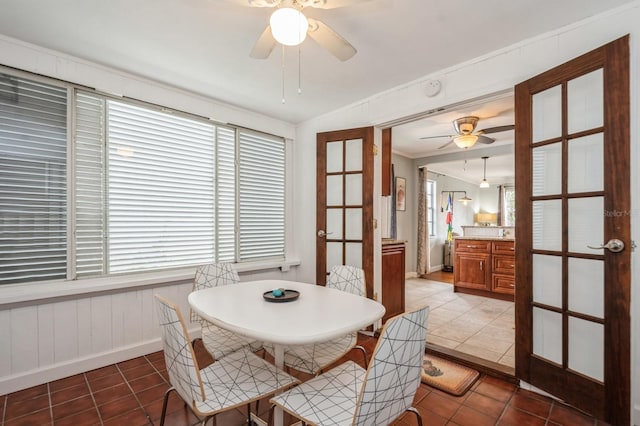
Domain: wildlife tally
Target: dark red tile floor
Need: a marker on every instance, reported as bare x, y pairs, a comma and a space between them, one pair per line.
130, 393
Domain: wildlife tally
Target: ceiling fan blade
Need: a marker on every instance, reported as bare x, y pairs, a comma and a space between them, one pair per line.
497, 129
446, 144
329, 4
437, 137
330, 40
257, 3
264, 45
485, 139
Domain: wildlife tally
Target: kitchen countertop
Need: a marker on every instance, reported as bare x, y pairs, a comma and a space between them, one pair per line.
485, 238
386, 241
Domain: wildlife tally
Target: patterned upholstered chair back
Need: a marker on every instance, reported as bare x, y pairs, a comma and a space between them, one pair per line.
394, 372
347, 278
214, 275
184, 374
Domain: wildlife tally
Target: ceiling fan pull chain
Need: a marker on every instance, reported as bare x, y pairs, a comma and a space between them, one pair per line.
283, 99
299, 71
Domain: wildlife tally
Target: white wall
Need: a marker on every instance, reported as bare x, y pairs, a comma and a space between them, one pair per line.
406, 220
488, 74
462, 215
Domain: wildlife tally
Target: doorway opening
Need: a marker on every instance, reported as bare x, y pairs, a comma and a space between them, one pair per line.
472, 328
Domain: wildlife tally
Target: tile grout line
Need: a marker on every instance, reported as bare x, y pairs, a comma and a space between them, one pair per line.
144, 410
95, 404
506, 405
50, 402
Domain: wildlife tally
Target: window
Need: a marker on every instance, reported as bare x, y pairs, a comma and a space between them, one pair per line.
152, 189
509, 206
431, 207
33, 189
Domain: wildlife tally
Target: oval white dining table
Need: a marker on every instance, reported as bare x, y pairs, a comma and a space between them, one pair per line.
319, 314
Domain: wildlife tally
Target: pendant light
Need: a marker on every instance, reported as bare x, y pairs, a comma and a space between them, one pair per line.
485, 182
465, 200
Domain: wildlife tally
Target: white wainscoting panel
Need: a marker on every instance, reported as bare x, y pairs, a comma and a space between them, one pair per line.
53, 340
64, 323
24, 338
101, 319
5, 348
83, 312
46, 335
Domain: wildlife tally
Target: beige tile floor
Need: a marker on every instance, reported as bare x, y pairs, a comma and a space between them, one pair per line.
475, 325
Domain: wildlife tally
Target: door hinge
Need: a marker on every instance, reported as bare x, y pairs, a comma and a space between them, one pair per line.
375, 223
633, 245
375, 149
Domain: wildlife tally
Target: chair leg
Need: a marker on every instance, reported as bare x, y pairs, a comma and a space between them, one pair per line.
364, 355
418, 416
270, 418
164, 405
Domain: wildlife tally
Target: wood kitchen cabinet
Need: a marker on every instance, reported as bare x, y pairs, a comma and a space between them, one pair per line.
471, 264
393, 279
485, 267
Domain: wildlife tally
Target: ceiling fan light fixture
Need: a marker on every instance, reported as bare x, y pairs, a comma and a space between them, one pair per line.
289, 26
465, 141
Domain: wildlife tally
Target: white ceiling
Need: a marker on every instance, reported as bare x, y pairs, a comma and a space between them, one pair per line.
203, 45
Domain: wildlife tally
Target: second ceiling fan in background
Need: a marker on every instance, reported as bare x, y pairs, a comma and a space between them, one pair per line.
466, 135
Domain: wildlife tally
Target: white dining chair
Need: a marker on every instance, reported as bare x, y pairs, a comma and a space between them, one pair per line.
238, 379
218, 341
313, 358
350, 395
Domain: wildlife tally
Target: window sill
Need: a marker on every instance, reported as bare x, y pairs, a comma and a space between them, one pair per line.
14, 295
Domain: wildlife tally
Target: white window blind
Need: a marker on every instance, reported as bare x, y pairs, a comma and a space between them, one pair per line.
160, 189
226, 194
261, 190
33, 189
90, 185
151, 190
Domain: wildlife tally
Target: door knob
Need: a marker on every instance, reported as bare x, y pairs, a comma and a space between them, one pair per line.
323, 234
614, 245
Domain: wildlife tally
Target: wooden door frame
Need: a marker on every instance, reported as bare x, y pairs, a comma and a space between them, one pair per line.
616, 398
366, 134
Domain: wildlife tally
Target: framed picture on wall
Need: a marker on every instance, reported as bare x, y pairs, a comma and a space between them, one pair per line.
401, 193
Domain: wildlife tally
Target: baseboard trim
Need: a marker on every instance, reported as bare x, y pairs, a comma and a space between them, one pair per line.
435, 268
409, 275
49, 373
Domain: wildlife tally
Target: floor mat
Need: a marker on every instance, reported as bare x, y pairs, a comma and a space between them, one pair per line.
447, 376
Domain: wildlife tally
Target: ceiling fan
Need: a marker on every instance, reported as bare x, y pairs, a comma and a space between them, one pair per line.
466, 137
289, 18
